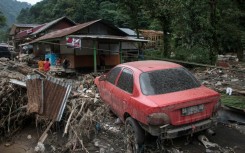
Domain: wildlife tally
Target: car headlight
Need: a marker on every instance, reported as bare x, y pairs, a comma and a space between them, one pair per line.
158, 119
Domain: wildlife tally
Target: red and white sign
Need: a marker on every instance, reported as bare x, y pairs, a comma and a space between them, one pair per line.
73, 42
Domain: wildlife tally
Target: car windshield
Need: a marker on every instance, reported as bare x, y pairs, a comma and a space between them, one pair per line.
167, 81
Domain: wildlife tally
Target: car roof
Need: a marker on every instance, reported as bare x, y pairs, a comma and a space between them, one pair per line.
151, 65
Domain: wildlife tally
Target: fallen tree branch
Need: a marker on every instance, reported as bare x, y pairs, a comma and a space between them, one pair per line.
81, 141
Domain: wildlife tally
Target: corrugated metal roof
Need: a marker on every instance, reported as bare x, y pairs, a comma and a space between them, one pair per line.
28, 32
130, 32
65, 32
14, 26
109, 37
26, 25
47, 96
151, 31
47, 25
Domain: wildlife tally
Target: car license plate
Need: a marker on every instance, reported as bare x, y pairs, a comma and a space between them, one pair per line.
192, 110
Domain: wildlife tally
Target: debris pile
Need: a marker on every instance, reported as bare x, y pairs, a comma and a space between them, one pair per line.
84, 113
87, 124
13, 98
221, 79
227, 60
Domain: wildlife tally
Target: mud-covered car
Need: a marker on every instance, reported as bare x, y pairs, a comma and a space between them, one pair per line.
5, 52
159, 97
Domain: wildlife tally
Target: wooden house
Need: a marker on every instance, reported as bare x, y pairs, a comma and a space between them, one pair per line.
29, 34
155, 38
17, 28
97, 43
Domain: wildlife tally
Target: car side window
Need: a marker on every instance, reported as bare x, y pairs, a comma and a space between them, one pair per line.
112, 75
126, 81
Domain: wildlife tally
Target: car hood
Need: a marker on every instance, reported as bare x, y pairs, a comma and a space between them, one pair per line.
193, 96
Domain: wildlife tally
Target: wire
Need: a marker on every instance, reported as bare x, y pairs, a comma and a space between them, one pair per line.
154, 58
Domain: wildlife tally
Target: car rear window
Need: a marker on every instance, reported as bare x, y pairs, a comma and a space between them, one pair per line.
167, 81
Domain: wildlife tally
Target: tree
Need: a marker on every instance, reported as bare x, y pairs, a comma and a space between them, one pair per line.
136, 14
241, 6
213, 22
111, 12
208, 26
163, 11
2, 20
190, 31
2, 24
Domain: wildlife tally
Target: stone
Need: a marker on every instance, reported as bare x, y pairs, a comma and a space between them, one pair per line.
218, 83
29, 137
234, 80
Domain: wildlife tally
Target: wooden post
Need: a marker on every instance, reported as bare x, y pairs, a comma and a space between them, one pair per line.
95, 59
45, 133
120, 51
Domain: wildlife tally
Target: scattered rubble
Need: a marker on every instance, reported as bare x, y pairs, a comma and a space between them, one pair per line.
87, 124
13, 98
83, 111
221, 79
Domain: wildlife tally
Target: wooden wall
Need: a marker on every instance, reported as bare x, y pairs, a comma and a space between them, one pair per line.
88, 60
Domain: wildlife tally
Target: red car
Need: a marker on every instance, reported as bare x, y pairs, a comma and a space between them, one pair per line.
159, 97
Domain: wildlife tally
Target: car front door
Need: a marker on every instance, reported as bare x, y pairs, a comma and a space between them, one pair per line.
122, 93
108, 85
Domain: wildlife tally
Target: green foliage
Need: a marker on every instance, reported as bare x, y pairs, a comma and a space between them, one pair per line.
233, 101
198, 54
2, 20
11, 9
194, 30
229, 33
137, 16
111, 12
164, 11
3, 36
48, 10
191, 24
152, 54
2, 24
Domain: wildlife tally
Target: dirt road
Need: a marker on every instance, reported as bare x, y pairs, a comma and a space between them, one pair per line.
229, 138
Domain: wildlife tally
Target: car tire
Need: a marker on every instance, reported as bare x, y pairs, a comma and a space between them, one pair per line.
135, 136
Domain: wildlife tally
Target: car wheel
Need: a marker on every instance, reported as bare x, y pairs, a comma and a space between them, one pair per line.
134, 136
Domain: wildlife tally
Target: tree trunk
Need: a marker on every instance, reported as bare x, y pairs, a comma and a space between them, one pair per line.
165, 27
240, 55
240, 52
213, 22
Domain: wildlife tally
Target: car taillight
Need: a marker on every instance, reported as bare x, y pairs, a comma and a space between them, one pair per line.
158, 119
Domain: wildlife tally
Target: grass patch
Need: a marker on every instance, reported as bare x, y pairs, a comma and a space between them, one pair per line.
233, 101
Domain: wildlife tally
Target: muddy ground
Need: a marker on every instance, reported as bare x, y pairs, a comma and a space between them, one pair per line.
110, 139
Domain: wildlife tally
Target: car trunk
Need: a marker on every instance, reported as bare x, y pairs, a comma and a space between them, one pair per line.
184, 107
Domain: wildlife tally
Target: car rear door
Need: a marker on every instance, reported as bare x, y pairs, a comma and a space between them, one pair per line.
122, 93
107, 86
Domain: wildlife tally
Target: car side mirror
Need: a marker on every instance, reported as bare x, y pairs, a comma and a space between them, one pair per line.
102, 78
